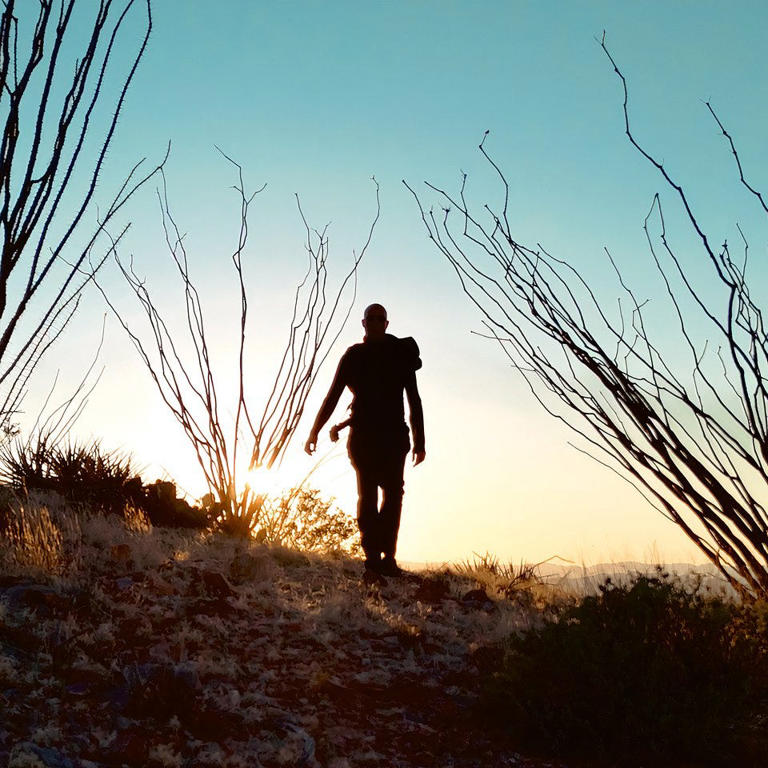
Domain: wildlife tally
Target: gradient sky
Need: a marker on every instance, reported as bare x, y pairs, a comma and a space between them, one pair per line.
315, 98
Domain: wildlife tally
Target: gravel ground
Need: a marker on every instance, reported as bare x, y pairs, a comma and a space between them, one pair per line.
164, 649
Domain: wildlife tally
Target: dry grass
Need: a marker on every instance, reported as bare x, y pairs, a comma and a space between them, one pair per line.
49, 539
121, 643
522, 583
192, 648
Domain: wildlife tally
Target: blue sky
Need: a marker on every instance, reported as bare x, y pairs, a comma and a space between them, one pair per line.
315, 98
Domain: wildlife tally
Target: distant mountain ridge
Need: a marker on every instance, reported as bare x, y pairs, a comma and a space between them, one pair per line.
585, 579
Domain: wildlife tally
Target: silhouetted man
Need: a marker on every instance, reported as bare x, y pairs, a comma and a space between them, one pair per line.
377, 372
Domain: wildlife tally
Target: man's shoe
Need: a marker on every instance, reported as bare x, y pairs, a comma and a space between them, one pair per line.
373, 573
389, 567
373, 577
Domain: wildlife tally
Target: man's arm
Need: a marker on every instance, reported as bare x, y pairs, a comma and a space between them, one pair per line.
417, 418
328, 406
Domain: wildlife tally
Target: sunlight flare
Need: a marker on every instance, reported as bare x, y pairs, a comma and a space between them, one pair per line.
272, 482
264, 481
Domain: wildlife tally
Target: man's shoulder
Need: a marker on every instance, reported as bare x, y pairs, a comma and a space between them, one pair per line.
352, 354
403, 350
355, 349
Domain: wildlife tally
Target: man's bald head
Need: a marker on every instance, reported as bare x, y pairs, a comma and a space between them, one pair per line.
375, 321
377, 308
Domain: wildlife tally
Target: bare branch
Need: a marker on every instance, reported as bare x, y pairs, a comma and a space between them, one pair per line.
53, 106
695, 448
187, 383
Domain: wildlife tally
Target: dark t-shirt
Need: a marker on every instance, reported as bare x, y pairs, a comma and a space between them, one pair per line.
378, 373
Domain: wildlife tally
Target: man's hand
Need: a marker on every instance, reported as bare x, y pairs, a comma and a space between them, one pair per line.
311, 444
418, 457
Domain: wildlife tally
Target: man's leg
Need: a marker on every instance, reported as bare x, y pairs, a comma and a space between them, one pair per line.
392, 503
361, 455
367, 514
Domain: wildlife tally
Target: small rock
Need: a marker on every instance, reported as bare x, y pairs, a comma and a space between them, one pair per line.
432, 591
488, 658
163, 587
288, 557
210, 583
133, 627
212, 724
119, 698
37, 597
187, 679
216, 585
124, 583
478, 599
92, 675
160, 690
79, 689
213, 607
292, 744
299, 745
130, 747
245, 567
49, 757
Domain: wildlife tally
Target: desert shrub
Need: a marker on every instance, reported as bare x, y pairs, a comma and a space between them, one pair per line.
521, 583
239, 520
642, 673
489, 565
46, 537
302, 519
82, 473
86, 474
299, 518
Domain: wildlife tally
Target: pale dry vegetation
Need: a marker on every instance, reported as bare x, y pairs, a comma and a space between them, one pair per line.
127, 644
124, 643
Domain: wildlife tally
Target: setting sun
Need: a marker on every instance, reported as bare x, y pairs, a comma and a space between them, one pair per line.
292, 472
269, 482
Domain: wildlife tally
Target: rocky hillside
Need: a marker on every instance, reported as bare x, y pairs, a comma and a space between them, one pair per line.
151, 647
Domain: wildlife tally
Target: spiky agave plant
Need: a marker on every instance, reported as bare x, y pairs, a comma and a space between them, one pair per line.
26, 465
82, 473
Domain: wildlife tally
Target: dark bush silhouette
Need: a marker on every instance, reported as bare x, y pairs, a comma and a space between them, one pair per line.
82, 473
641, 673
87, 476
